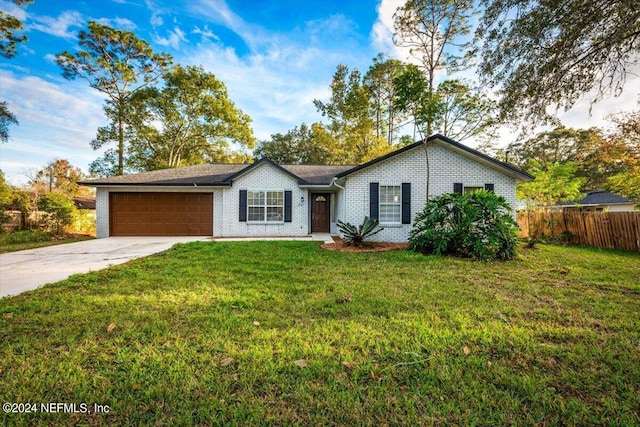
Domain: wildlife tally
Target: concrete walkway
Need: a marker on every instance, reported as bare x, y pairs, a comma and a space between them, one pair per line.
26, 270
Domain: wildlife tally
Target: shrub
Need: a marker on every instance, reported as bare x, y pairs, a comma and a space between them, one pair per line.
476, 225
355, 236
60, 210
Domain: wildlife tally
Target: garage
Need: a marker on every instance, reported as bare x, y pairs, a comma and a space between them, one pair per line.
160, 214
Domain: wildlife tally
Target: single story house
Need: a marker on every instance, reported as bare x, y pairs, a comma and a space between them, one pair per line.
268, 199
599, 201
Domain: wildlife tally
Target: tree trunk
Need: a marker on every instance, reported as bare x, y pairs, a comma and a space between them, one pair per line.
120, 170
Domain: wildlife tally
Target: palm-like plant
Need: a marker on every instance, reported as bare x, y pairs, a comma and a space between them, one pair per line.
352, 235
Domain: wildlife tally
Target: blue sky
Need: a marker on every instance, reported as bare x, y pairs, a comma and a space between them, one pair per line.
275, 57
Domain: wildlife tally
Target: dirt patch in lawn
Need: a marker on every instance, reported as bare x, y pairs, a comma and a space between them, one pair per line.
339, 246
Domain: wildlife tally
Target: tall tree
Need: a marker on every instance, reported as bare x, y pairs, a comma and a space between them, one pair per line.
436, 33
6, 118
9, 38
542, 54
59, 176
191, 120
559, 145
349, 111
379, 79
116, 63
464, 112
596, 156
626, 181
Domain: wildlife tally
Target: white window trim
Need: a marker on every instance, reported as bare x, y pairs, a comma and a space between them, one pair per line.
389, 184
265, 206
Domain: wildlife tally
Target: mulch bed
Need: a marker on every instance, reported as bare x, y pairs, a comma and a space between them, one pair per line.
339, 246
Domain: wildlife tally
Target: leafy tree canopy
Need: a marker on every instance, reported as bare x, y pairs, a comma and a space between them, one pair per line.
59, 176
549, 53
350, 120
552, 185
9, 28
311, 145
627, 134
191, 120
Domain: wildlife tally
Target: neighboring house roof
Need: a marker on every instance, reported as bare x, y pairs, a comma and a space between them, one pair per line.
599, 197
85, 202
223, 174
505, 167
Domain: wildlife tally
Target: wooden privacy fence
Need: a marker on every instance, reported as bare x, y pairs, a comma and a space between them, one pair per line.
619, 230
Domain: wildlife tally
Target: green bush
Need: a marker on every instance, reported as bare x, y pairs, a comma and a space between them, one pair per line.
60, 210
477, 225
352, 235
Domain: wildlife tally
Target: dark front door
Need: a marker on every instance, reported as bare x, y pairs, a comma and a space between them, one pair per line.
320, 203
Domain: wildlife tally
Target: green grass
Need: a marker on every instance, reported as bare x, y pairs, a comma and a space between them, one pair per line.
21, 240
550, 339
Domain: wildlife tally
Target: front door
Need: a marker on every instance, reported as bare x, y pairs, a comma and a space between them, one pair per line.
320, 203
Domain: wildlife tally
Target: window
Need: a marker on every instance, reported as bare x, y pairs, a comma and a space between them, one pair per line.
390, 204
265, 206
468, 190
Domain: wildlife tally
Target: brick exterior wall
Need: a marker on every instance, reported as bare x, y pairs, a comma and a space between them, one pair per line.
447, 167
264, 177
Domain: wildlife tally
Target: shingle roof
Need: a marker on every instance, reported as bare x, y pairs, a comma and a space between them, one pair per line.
600, 197
317, 174
219, 174
203, 175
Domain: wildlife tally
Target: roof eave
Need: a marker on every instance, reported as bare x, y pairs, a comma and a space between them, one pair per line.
152, 184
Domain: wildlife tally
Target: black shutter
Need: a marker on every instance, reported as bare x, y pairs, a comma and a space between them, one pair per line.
287, 206
243, 206
489, 187
457, 187
374, 200
406, 203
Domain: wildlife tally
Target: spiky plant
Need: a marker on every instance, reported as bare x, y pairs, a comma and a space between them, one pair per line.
352, 235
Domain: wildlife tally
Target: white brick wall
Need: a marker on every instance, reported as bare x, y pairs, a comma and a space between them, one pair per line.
102, 212
264, 177
447, 167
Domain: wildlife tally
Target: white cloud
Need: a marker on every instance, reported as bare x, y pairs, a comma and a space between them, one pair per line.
119, 23
205, 33
173, 39
57, 119
60, 26
50, 57
13, 9
156, 21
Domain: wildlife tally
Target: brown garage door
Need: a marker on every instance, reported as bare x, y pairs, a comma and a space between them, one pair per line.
161, 214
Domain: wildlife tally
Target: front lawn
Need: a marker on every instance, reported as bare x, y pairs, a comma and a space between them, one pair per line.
286, 333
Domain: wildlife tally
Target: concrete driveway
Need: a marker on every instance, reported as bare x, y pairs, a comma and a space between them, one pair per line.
26, 270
